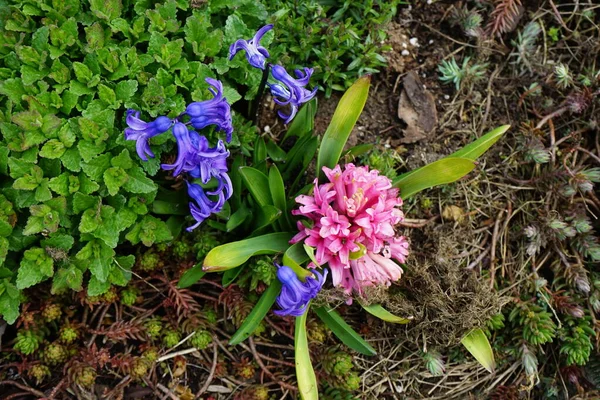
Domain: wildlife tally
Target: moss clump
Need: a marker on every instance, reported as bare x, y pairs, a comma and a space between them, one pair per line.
139, 368
337, 363
149, 261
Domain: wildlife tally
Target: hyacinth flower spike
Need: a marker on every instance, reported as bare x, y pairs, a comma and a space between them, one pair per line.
141, 131
255, 53
295, 294
215, 111
290, 90
352, 227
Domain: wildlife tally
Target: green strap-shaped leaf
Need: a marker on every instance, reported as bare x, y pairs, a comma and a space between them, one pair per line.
479, 346
258, 185
346, 114
294, 257
473, 150
191, 276
257, 314
277, 189
231, 255
305, 374
437, 173
383, 314
304, 121
343, 331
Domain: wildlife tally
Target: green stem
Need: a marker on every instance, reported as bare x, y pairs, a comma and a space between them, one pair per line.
259, 94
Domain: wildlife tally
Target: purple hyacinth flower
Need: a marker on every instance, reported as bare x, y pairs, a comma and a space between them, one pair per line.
295, 294
142, 131
291, 90
215, 111
185, 148
255, 53
201, 207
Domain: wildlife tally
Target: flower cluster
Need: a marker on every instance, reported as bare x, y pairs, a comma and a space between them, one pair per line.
352, 220
295, 294
286, 90
194, 154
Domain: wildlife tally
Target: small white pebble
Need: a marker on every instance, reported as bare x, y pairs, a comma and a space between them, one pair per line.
424, 75
414, 42
405, 52
267, 128
430, 41
424, 87
429, 1
446, 97
405, 45
387, 145
361, 128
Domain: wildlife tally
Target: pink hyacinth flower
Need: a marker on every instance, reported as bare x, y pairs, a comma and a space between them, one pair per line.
357, 209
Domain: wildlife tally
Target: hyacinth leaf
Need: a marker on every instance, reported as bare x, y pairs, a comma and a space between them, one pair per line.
479, 346
258, 185
473, 150
344, 118
231, 275
238, 218
294, 257
305, 374
234, 254
383, 314
191, 276
266, 215
440, 172
343, 331
277, 188
257, 314
304, 122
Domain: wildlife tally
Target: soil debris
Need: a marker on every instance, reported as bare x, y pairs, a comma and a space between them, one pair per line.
417, 109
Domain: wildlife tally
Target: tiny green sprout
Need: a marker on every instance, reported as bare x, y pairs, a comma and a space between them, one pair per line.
139, 368
434, 363
529, 361
563, 76
351, 381
452, 73
553, 33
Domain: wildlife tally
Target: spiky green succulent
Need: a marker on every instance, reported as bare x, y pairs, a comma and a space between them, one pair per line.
54, 354
68, 334
28, 341
337, 363
181, 249
171, 337
129, 296
39, 372
85, 376
51, 312
153, 327
201, 339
